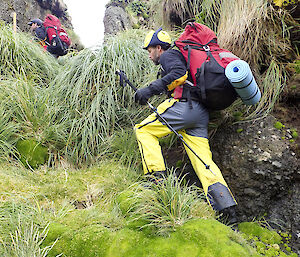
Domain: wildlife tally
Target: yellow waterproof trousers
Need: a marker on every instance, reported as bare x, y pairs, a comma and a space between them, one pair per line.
151, 129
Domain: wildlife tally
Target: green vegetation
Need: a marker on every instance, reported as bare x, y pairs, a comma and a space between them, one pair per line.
164, 207
294, 133
87, 213
32, 154
278, 125
21, 58
266, 241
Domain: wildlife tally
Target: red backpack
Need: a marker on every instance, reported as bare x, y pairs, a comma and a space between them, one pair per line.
206, 63
54, 29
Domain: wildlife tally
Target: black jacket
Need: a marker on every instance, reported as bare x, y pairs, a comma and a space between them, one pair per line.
40, 33
173, 67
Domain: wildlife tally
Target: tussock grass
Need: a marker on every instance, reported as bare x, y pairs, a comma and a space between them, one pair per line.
252, 30
122, 147
164, 206
273, 84
21, 56
27, 242
256, 32
28, 115
7, 134
90, 95
259, 35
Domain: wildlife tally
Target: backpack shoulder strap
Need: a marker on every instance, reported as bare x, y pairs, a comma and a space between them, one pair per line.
227, 55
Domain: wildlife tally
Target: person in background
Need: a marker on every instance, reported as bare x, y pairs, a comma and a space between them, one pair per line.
50, 35
187, 116
37, 27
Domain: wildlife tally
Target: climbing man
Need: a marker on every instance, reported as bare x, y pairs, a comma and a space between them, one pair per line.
51, 35
187, 116
36, 26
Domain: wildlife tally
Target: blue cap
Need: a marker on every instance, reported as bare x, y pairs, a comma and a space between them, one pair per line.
37, 21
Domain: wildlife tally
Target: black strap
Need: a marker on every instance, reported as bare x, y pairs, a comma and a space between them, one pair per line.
189, 58
198, 44
192, 25
246, 85
202, 82
59, 40
189, 98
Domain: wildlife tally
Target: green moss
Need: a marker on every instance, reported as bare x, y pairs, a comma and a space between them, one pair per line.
32, 153
196, 238
179, 164
239, 130
293, 87
212, 239
60, 236
265, 235
126, 199
278, 125
294, 133
92, 241
55, 232
267, 242
127, 242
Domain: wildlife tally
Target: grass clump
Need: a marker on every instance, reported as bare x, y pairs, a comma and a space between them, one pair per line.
90, 97
21, 56
77, 213
164, 207
8, 130
29, 115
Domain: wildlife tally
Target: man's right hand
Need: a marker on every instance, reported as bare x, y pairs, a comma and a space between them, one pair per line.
142, 95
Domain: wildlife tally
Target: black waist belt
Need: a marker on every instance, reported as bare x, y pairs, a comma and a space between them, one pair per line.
183, 99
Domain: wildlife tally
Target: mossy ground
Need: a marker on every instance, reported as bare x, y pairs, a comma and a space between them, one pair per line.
195, 238
267, 242
32, 154
86, 214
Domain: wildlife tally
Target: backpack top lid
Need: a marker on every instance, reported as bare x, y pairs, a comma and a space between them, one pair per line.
197, 32
51, 21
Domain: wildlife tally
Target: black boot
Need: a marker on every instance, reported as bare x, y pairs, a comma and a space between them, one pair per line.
228, 216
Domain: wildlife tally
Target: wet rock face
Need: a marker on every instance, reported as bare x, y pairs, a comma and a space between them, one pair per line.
115, 19
30, 9
262, 172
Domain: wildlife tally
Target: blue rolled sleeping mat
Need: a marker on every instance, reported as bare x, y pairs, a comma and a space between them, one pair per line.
241, 78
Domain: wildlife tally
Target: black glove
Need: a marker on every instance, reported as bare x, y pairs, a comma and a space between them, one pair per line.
155, 88
142, 95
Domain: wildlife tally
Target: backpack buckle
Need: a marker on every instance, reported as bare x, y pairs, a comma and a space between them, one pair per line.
206, 48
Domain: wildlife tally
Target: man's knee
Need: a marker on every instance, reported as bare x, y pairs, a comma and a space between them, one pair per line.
138, 131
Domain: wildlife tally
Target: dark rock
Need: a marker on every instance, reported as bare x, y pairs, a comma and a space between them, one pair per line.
262, 171
116, 19
30, 9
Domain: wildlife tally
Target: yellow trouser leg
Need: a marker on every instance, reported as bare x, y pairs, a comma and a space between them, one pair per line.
201, 147
148, 132
150, 149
